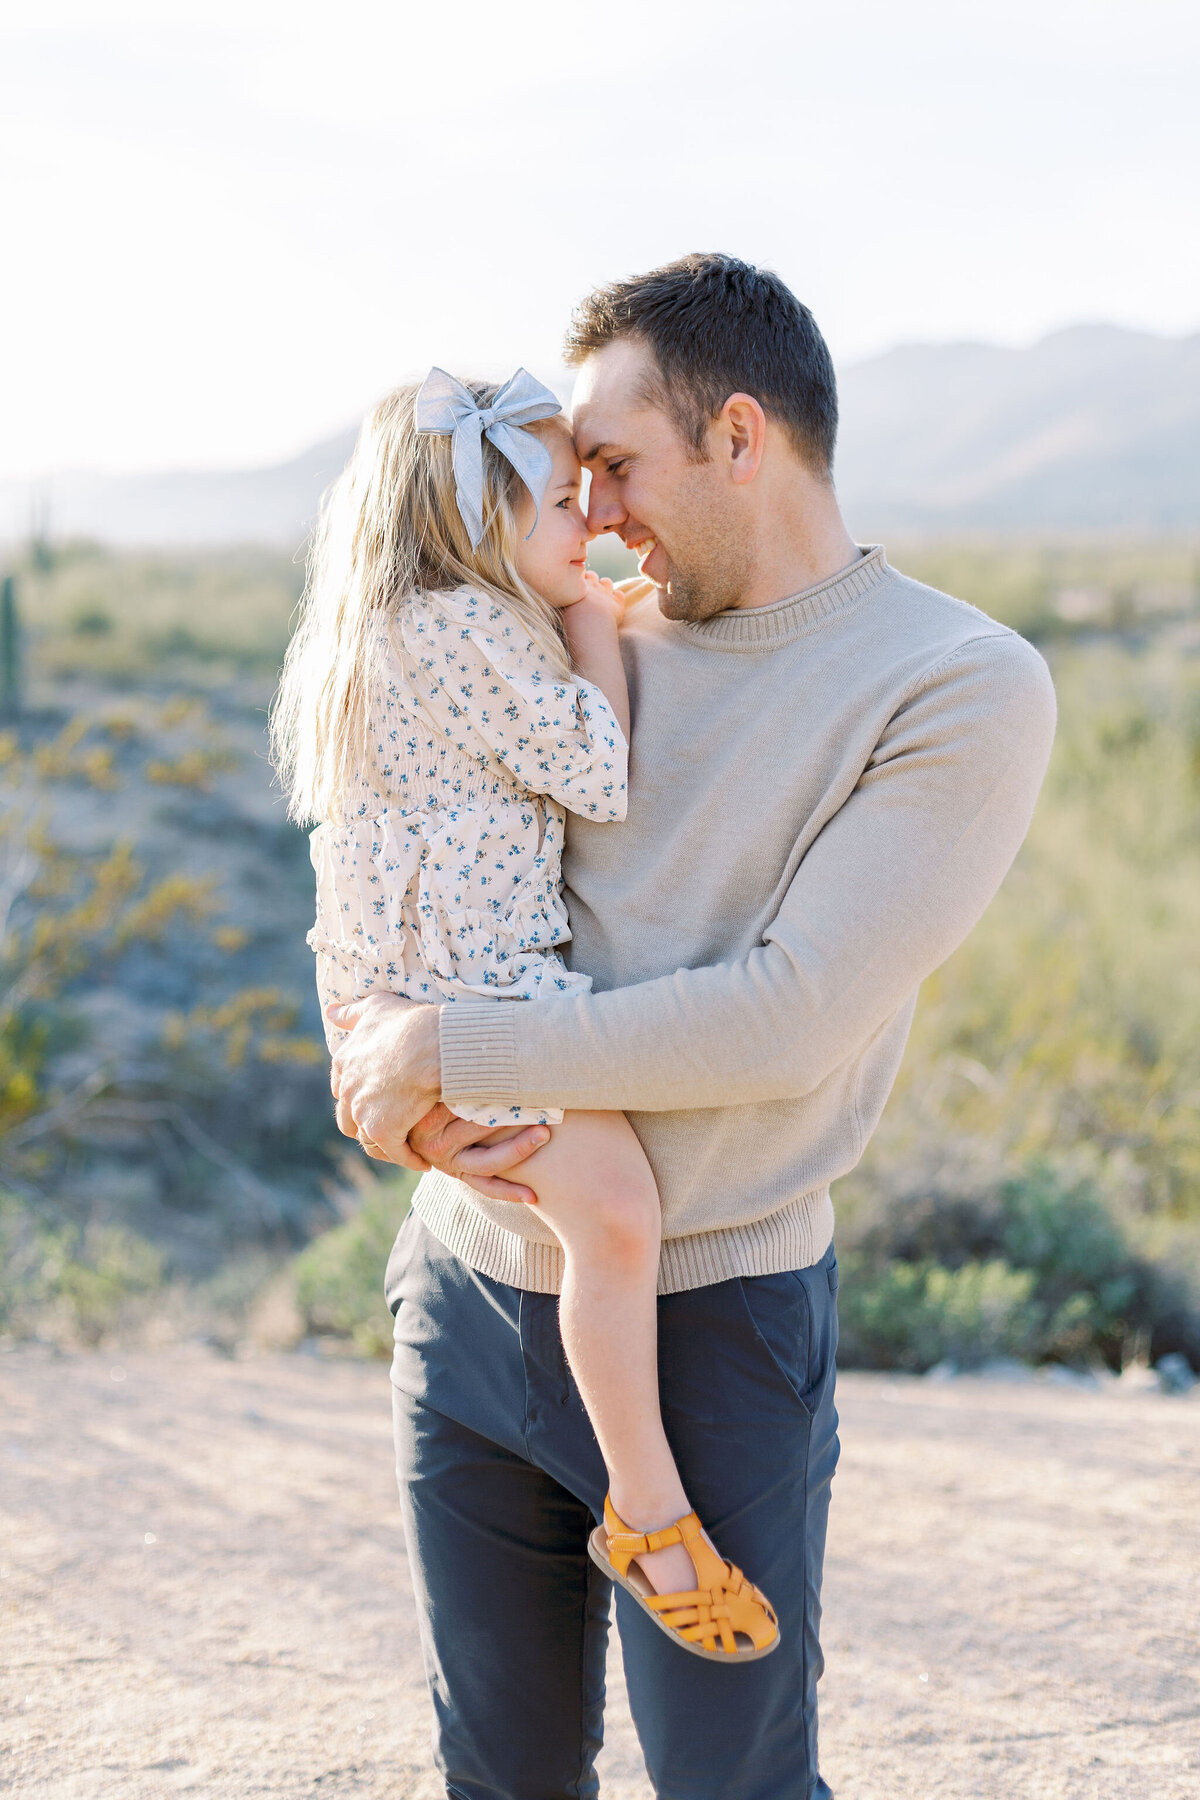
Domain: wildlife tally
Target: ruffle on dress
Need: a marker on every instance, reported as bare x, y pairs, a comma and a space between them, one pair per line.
399, 904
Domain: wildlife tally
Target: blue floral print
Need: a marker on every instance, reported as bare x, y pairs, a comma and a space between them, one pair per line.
443, 879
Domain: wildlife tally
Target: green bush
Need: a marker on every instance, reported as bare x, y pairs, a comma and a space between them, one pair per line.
1047, 1113
1095, 1297
79, 1281
24, 1250
912, 1315
95, 1283
1031, 1265
339, 1277
120, 614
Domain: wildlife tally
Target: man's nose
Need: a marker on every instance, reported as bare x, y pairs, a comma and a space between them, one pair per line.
605, 512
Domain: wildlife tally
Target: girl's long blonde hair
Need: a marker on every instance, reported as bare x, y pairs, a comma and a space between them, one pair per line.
389, 528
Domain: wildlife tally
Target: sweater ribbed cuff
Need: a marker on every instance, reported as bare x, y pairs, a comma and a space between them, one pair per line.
479, 1053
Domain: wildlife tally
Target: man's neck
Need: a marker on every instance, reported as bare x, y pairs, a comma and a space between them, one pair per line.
807, 543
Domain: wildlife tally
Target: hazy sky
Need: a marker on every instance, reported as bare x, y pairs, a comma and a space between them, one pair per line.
227, 227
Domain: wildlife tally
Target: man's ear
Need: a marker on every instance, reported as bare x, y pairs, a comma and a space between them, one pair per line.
744, 425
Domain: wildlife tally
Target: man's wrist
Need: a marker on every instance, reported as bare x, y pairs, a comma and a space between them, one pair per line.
423, 1052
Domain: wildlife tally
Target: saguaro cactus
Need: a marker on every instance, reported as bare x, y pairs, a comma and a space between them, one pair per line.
10, 651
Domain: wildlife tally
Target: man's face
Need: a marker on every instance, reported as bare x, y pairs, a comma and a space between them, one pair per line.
680, 516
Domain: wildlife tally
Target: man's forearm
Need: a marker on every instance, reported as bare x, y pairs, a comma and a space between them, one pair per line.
888, 889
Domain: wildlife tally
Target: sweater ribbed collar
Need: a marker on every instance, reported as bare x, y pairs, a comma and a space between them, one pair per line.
758, 627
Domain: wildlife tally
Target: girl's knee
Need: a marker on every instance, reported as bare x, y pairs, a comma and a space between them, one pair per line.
625, 1227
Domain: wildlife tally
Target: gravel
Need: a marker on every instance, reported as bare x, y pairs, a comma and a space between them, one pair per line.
203, 1588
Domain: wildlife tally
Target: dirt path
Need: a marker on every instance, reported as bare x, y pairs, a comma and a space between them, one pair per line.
204, 1589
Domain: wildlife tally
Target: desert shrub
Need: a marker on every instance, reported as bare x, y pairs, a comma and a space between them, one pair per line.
70, 758
159, 1093
1059, 590
91, 621
193, 769
76, 1282
339, 1277
24, 1251
1033, 1264
913, 1315
112, 614
103, 1270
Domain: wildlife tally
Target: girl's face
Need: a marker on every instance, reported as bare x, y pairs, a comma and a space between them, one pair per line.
553, 560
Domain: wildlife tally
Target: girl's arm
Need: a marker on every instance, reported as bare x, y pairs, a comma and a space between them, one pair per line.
489, 692
332, 986
590, 627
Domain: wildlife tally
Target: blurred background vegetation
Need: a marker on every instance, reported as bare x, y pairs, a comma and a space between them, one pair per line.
168, 1160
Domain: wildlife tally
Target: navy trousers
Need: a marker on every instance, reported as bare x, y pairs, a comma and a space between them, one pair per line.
501, 1481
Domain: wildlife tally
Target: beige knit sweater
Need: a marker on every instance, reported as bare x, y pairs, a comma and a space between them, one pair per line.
824, 794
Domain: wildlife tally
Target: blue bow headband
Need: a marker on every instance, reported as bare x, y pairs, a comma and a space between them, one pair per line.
446, 408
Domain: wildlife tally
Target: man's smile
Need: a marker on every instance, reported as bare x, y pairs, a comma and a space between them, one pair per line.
644, 549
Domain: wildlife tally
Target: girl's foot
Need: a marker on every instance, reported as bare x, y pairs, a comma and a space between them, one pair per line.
718, 1614
669, 1571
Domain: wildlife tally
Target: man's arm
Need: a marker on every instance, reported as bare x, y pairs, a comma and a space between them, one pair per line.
891, 886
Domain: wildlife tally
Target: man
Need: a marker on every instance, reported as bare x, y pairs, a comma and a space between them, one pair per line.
832, 768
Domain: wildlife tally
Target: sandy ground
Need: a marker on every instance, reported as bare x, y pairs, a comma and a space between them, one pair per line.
204, 1589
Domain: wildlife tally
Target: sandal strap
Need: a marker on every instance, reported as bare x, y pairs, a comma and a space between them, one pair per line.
624, 1543
701, 1618
711, 1615
705, 1616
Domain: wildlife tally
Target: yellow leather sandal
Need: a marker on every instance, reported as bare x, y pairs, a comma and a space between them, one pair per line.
725, 1618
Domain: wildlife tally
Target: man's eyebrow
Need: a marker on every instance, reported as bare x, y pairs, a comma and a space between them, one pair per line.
598, 450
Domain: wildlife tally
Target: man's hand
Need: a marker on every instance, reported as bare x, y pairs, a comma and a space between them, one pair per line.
387, 1074
477, 1154
387, 1079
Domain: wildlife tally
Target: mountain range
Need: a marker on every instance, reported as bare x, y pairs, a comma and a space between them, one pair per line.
1092, 428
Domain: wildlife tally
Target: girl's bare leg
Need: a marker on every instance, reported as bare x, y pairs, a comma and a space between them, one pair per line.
595, 1190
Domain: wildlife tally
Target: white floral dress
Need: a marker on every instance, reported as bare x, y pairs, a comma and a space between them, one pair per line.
442, 880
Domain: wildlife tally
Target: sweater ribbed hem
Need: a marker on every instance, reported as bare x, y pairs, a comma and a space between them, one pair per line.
761, 627
794, 1237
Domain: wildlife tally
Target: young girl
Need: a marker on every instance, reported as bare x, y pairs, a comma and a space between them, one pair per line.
456, 682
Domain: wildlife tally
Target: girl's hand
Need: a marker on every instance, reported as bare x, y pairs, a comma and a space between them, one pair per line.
635, 588
601, 595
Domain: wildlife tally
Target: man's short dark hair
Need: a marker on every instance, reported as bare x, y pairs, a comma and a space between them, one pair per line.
718, 326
